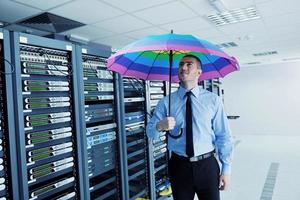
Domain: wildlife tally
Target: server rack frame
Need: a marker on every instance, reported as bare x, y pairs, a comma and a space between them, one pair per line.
5, 36
16, 40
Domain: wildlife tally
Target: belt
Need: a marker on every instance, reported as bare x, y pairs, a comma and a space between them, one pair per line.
194, 158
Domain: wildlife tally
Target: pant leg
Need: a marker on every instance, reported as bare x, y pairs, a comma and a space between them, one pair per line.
206, 179
181, 178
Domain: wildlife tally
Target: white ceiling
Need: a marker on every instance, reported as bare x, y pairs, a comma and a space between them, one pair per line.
119, 22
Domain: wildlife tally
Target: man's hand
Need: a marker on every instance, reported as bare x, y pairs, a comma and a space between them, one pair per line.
224, 182
166, 124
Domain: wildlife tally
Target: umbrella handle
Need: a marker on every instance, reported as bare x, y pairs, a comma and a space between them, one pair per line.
175, 136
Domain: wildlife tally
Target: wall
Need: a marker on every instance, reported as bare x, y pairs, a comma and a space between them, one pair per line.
266, 97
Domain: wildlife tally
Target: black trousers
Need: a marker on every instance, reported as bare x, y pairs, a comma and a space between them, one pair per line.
188, 178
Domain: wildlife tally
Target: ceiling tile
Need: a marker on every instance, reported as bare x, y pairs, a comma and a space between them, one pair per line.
144, 32
171, 12
43, 5
122, 24
185, 26
87, 12
134, 5
115, 42
201, 7
12, 11
90, 32
278, 21
278, 7
207, 34
235, 4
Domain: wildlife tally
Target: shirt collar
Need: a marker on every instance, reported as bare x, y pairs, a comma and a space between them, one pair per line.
195, 91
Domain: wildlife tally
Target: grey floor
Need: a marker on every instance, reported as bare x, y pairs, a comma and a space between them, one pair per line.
265, 167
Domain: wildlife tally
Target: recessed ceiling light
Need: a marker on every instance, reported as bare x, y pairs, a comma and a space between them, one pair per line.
267, 53
252, 63
291, 59
234, 16
227, 45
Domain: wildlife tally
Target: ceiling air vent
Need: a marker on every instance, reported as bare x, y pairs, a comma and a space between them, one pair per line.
234, 16
252, 63
50, 23
227, 45
267, 53
291, 59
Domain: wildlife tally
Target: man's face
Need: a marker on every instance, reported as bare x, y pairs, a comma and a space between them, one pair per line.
189, 69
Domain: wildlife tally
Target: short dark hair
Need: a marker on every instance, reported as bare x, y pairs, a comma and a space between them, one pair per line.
192, 56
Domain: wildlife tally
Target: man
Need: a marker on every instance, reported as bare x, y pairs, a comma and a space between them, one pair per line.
200, 115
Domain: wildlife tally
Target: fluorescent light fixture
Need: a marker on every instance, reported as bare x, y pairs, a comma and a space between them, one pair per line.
234, 16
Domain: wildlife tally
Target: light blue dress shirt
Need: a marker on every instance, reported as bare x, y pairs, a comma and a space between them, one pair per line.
210, 125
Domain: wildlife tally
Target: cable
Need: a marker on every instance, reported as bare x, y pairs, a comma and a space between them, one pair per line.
12, 66
42, 52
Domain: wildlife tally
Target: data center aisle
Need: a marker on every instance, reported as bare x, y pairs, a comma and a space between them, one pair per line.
266, 167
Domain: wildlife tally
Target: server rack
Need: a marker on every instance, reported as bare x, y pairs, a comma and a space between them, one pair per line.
8, 174
46, 111
101, 151
213, 85
135, 151
158, 148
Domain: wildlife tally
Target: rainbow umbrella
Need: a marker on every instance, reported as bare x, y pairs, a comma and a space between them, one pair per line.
157, 57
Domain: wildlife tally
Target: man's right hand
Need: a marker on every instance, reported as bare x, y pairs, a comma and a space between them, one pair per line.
166, 124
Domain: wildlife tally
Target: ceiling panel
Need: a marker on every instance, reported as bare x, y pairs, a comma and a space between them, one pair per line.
134, 5
234, 4
207, 34
278, 7
122, 24
87, 12
185, 26
90, 32
171, 12
290, 19
147, 31
43, 5
116, 42
12, 11
201, 7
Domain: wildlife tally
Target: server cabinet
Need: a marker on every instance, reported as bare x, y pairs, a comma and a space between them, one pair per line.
102, 142
8, 171
159, 155
135, 150
46, 112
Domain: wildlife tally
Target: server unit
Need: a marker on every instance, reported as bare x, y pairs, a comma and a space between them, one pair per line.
101, 125
46, 113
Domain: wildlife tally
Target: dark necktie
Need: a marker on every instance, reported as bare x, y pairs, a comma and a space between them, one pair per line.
189, 126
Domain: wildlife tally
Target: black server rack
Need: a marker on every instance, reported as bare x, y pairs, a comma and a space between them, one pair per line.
8, 170
103, 163
135, 149
46, 106
213, 85
159, 156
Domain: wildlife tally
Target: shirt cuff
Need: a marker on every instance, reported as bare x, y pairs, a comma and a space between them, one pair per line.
226, 170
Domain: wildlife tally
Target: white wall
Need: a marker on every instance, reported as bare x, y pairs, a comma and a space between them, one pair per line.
266, 97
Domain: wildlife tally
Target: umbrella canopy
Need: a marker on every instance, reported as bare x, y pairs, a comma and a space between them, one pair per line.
152, 57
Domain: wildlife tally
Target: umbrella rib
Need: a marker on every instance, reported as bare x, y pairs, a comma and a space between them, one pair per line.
133, 61
153, 64
213, 65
